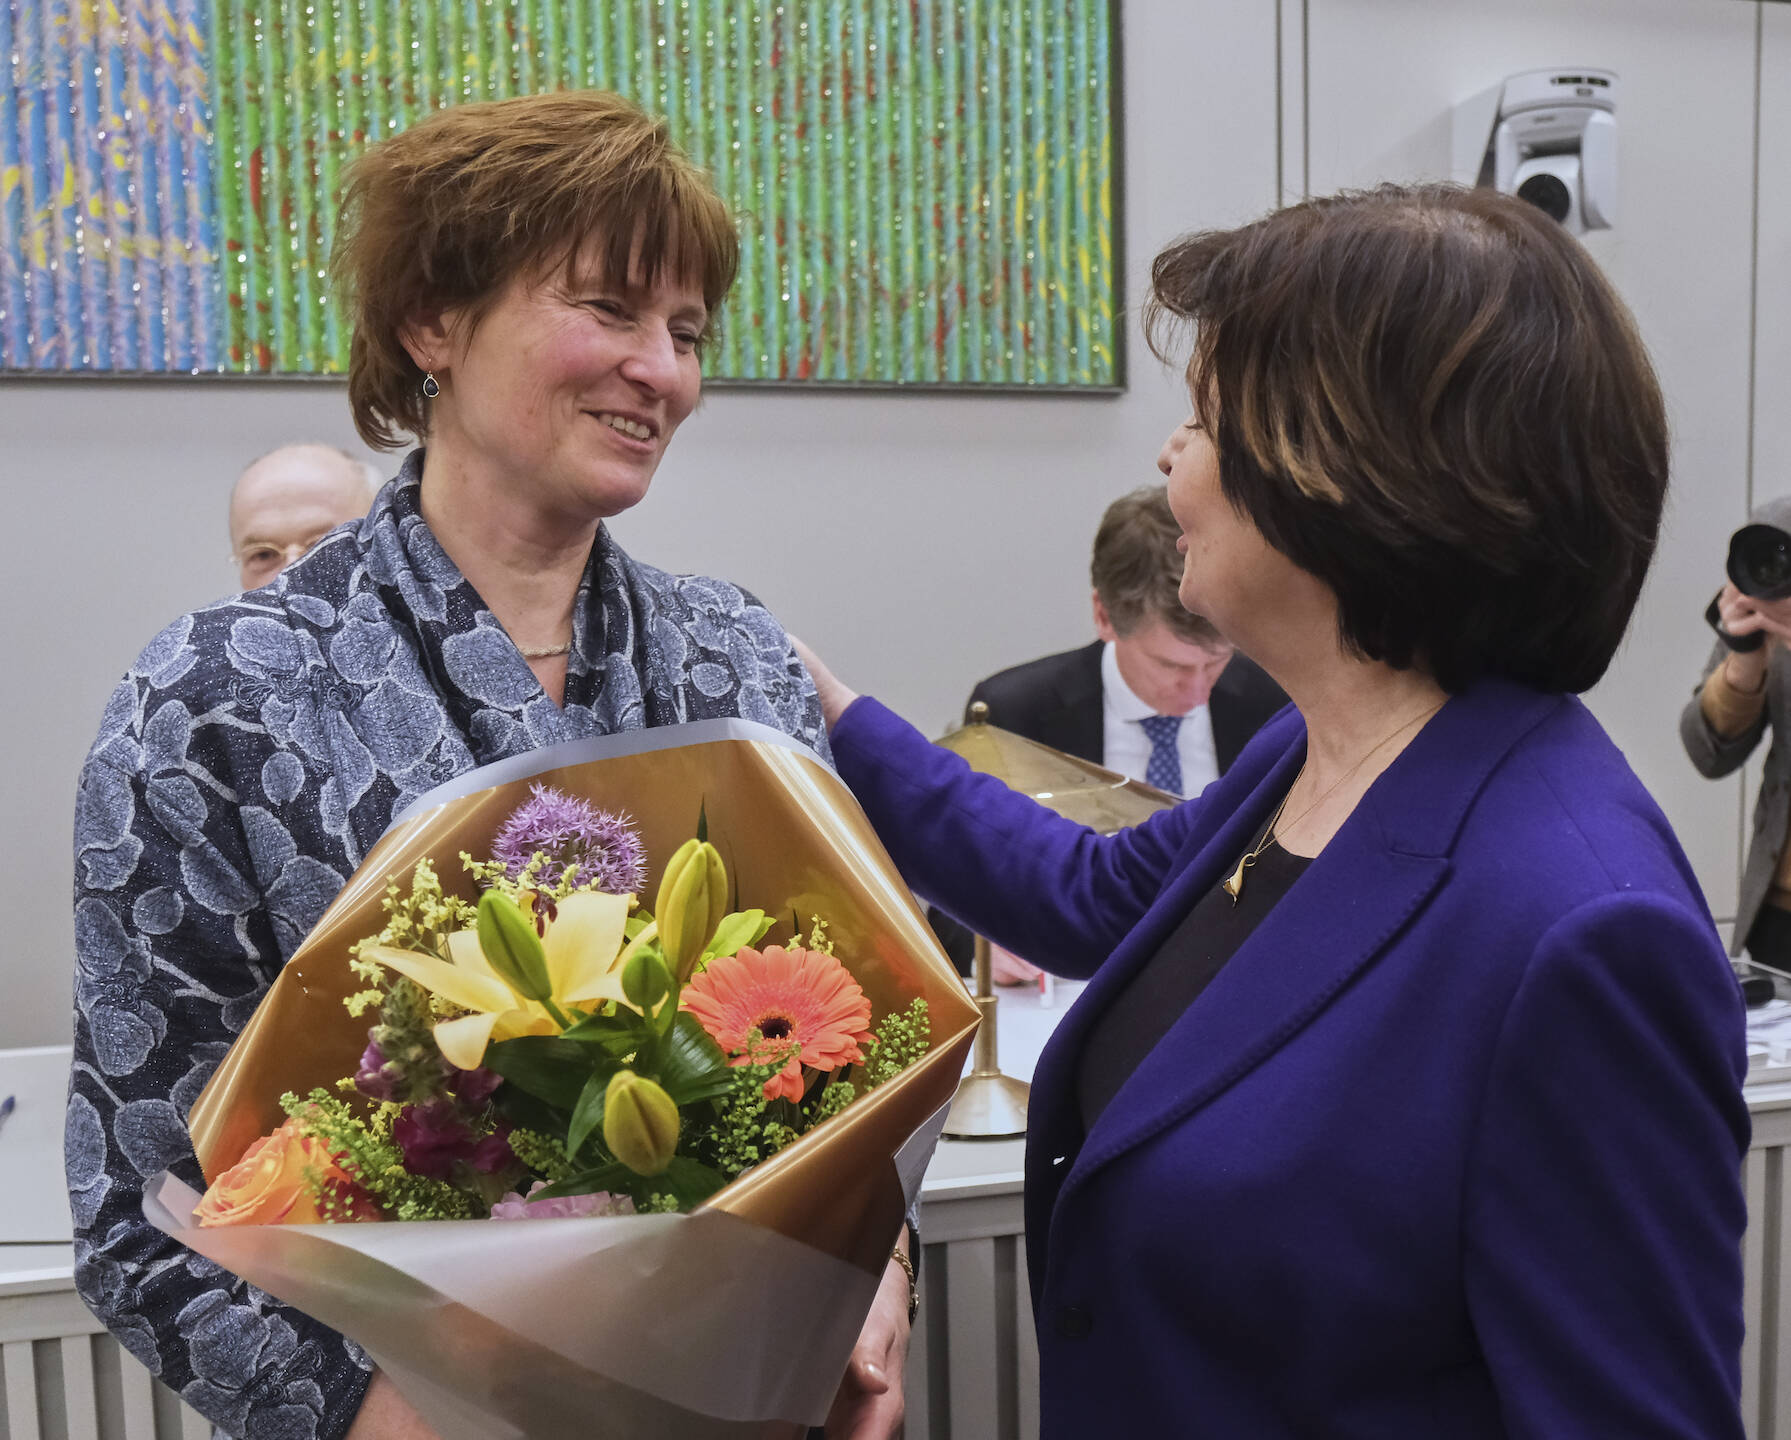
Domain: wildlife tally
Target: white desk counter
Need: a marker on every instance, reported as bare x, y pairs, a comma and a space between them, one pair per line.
973, 1367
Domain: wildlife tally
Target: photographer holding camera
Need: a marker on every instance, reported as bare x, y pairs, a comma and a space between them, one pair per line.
1746, 688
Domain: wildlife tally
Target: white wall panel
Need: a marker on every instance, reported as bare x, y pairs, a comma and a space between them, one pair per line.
1772, 367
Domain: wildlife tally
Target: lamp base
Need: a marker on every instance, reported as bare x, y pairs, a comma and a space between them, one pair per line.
989, 1106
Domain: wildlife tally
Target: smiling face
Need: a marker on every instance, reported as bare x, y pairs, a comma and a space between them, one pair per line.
569, 387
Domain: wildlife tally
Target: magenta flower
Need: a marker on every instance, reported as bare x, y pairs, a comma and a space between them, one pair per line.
562, 1207
434, 1138
605, 847
472, 1088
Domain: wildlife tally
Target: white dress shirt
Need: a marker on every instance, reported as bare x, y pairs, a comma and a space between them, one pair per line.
1126, 748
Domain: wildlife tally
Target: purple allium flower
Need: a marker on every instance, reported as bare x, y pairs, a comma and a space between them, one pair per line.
605, 847
562, 1207
434, 1138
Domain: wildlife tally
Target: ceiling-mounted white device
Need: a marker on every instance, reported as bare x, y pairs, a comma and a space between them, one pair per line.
1553, 142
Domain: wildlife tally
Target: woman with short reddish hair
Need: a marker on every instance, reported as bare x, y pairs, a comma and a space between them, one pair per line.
1405, 1097
531, 285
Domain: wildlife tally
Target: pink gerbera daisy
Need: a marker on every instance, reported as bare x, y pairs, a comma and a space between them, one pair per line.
800, 998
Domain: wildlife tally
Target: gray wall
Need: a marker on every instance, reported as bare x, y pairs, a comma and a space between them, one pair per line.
922, 541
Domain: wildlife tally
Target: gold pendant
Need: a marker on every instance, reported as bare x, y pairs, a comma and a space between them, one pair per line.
1234, 886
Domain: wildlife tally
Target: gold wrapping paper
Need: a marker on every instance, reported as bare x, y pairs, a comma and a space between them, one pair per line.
796, 844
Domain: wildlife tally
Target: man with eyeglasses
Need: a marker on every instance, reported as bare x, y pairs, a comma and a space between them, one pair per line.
288, 500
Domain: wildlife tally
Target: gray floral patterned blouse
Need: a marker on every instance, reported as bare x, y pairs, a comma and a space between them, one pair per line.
247, 762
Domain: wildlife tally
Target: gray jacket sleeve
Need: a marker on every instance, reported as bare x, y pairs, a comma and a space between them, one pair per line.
1713, 755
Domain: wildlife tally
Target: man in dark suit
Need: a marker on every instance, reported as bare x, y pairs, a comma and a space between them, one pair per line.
1060, 701
1160, 696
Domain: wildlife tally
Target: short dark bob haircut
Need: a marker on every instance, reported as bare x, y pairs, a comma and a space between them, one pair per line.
1431, 399
445, 214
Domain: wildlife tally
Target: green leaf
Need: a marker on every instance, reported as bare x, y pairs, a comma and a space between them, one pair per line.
613, 1176
636, 923
620, 1034
745, 927
526, 1112
702, 834
667, 1016
547, 1066
587, 1115
691, 1181
691, 1065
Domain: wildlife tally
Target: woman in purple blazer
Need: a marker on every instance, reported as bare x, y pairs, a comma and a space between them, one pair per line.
1406, 1096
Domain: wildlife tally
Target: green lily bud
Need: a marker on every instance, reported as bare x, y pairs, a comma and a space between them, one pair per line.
510, 943
693, 900
640, 1123
645, 980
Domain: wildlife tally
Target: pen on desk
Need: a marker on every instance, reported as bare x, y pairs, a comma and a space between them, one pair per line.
5, 1109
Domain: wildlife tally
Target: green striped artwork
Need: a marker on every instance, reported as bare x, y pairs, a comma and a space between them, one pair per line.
925, 188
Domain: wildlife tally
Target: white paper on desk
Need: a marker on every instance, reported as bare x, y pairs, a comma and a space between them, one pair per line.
678, 1327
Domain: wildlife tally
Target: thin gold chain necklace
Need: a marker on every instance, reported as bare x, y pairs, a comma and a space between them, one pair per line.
1234, 883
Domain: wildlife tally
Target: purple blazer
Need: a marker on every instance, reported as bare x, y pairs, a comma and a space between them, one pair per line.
1451, 1147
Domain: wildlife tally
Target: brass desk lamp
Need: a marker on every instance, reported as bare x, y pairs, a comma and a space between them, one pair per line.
990, 1105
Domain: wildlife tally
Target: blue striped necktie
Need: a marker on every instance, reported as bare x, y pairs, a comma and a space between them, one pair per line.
1165, 768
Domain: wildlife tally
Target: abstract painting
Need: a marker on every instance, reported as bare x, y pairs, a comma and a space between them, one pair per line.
926, 189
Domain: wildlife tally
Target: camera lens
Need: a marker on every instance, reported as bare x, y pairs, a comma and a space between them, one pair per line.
1549, 194
1760, 561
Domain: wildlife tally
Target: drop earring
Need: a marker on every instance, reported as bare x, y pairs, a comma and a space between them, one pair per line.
430, 388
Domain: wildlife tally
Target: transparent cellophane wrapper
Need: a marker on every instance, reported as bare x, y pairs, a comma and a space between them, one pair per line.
736, 1319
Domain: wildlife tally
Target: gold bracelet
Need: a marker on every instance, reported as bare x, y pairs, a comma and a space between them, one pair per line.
907, 1265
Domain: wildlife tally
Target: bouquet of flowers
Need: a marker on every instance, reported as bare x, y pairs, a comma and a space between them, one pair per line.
719, 1110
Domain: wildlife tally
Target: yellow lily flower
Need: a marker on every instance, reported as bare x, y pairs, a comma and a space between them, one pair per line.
583, 945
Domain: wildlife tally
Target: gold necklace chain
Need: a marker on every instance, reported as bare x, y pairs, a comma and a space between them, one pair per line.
1234, 883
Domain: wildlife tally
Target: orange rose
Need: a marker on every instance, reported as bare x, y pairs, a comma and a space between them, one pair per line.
273, 1184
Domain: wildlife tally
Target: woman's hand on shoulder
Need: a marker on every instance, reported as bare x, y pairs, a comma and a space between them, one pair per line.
835, 694
870, 1404
386, 1415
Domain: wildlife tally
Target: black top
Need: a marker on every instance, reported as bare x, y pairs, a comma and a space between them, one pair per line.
1172, 979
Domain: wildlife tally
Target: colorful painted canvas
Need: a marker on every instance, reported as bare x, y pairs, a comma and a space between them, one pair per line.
926, 188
